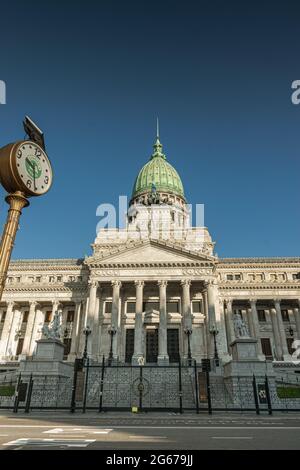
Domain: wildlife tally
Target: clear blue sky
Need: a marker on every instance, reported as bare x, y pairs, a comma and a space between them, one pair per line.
95, 74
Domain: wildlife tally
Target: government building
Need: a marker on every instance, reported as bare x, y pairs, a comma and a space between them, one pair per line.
153, 292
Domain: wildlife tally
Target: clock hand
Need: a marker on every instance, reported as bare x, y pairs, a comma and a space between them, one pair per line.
29, 162
33, 168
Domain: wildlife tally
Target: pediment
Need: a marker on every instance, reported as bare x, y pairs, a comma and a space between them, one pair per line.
154, 252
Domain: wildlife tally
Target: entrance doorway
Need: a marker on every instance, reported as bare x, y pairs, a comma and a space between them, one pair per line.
151, 346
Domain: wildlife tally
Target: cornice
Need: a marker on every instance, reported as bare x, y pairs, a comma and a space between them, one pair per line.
46, 288
262, 286
166, 264
224, 263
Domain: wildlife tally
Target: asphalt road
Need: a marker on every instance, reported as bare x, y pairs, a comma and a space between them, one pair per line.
167, 431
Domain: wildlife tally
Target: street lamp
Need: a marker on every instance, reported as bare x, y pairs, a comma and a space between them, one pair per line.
111, 331
87, 331
291, 331
188, 332
215, 332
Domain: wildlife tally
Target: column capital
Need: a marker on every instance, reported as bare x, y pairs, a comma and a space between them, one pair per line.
11, 304
277, 302
253, 300
93, 283
185, 282
162, 283
116, 283
33, 303
228, 302
139, 283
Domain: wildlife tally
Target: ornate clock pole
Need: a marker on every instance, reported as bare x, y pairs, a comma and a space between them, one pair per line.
25, 171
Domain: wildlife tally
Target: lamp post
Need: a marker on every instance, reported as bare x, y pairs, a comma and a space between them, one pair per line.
111, 331
87, 331
188, 332
215, 332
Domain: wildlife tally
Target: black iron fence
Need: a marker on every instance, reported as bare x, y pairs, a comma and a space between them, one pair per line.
176, 387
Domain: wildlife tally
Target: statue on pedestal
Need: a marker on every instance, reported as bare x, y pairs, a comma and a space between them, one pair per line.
53, 331
240, 326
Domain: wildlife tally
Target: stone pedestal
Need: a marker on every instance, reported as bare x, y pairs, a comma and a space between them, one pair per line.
48, 360
49, 349
244, 349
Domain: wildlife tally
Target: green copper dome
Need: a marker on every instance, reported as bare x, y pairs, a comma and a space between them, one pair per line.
158, 175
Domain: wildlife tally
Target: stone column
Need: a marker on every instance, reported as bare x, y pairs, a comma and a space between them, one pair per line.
75, 332
92, 319
277, 340
6, 329
116, 285
297, 319
282, 335
211, 299
163, 358
254, 327
12, 339
138, 325
221, 337
186, 313
29, 328
229, 323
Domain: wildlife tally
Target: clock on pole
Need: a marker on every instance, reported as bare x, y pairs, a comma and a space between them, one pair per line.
25, 171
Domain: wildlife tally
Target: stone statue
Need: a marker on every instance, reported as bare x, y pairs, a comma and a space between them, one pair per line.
53, 331
240, 326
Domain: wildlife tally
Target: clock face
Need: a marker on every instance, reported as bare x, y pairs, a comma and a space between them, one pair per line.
33, 168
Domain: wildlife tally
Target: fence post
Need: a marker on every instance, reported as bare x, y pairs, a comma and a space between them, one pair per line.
102, 384
16, 402
86, 385
180, 386
208, 392
73, 401
29, 393
255, 395
141, 388
268, 395
196, 387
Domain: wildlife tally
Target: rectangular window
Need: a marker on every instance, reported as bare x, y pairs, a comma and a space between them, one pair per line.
152, 345
19, 346
51, 278
3, 317
261, 315
296, 276
48, 316
173, 307
150, 305
266, 348
237, 277
196, 305
107, 308
79, 278
229, 277
59, 278
130, 307
38, 279
129, 348
173, 344
18, 279
67, 344
70, 316
289, 345
25, 317
285, 315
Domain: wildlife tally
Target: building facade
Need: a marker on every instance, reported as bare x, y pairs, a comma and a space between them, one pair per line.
154, 291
